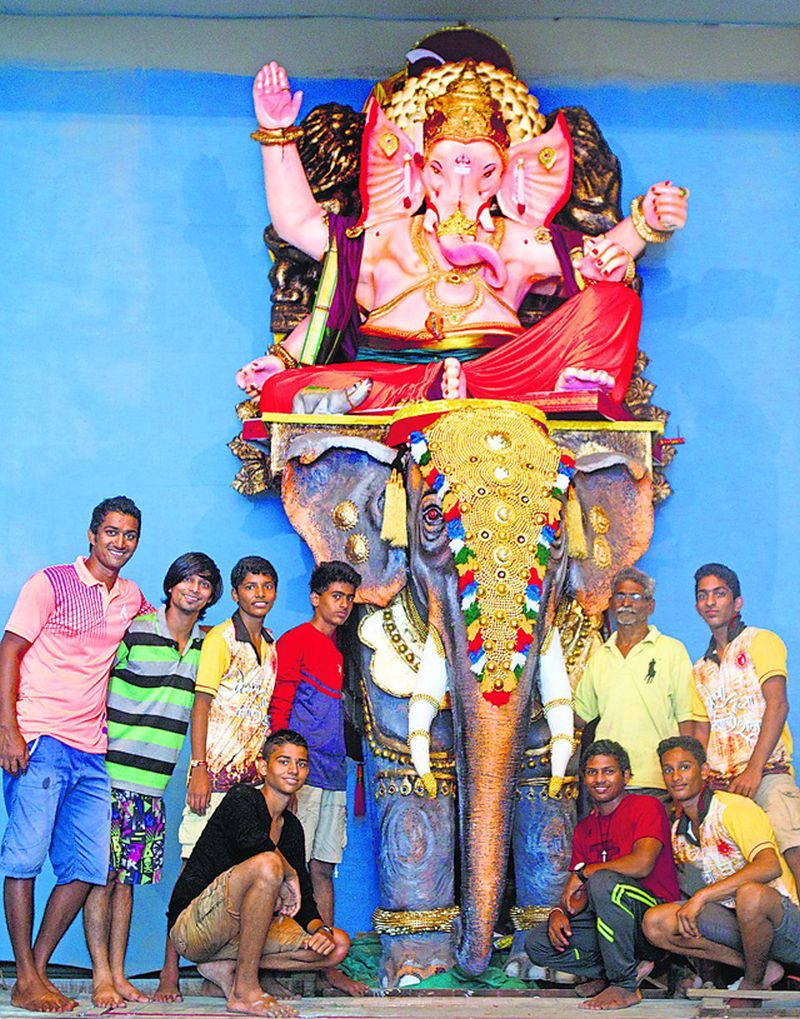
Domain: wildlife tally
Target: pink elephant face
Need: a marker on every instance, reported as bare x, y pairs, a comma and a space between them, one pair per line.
461, 176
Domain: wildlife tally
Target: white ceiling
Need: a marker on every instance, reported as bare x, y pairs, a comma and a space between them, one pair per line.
728, 12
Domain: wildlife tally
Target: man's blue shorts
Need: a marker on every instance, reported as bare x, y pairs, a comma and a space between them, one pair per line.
62, 804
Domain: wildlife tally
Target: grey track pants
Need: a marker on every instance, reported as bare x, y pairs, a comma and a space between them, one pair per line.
607, 939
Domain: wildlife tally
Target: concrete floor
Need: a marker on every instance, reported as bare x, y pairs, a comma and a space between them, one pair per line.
431, 1005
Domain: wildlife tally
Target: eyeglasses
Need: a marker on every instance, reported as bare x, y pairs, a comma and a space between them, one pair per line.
634, 596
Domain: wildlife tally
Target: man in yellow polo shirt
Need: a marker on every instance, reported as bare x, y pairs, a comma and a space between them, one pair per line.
739, 706
638, 684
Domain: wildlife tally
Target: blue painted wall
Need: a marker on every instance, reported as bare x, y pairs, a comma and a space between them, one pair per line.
133, 284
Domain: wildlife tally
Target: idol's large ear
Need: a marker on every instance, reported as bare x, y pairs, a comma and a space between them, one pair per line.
538, 177
389, 182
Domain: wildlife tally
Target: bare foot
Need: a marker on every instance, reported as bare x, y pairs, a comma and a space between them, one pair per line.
591, 987
274, 987
454, 384
612, 997
579, 379
34, 996
105, 995
341, 982
772, 975
70, 1003
129, 992
259, 1004
168, 989
220, 972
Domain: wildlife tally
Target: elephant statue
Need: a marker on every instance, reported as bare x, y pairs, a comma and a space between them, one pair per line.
472, 530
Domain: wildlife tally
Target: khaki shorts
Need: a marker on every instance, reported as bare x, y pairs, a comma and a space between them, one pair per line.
192, 825
209, 927
779, 798
323, 815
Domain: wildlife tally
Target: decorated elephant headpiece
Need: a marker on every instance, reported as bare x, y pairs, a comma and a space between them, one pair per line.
502, 482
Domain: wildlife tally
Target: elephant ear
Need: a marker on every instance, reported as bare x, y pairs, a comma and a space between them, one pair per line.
333, 492
538, 178
615, 496
390, 184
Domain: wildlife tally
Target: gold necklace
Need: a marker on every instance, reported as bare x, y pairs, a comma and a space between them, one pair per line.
453, 313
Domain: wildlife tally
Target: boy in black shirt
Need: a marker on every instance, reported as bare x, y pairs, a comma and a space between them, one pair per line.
244, 901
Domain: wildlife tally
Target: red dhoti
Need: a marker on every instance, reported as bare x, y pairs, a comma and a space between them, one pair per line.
596, 329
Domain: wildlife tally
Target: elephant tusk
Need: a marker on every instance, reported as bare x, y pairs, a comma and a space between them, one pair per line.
423, 706
557, 704
430, 220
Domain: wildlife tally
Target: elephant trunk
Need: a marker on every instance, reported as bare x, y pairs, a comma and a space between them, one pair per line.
492, 744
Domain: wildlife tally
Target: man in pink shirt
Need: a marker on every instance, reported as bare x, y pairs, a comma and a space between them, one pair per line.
55, 658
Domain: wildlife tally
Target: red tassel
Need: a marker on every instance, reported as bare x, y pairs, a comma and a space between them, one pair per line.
359, 799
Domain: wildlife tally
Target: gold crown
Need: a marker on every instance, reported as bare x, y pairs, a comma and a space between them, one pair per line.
466, 112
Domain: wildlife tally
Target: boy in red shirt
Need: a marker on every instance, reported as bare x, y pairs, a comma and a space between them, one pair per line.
308, 698
621, 865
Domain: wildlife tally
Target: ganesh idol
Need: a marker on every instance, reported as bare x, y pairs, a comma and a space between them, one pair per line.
419, 294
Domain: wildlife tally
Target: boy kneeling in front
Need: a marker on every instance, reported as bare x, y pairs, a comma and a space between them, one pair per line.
244, 901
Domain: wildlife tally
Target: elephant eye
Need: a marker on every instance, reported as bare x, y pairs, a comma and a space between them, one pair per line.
432, 515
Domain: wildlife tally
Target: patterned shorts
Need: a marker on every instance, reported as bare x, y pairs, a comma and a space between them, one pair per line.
137, 837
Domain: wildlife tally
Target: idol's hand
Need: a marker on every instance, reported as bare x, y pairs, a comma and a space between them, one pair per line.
604, 260
665, 206
274, 103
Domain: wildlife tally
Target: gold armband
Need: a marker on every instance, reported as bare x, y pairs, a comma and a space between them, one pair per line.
428, 698
643, 228
557, 702
419, 732
283, 355
277, 135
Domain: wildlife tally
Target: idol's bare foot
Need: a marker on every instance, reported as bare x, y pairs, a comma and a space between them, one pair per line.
612, 997
454, 384
341, 982
579, 379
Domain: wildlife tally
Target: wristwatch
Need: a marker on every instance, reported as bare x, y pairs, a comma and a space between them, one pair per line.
580, 872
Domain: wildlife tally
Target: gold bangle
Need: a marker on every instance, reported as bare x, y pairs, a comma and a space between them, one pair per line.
419, 732
283, 355
428, 698
557, 702
630, 272
643, 228
562, 737
277, 135
414, 921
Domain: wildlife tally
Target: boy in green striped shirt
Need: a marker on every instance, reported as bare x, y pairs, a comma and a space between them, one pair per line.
150, 696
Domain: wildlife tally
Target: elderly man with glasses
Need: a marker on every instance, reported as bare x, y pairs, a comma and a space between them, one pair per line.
638, 684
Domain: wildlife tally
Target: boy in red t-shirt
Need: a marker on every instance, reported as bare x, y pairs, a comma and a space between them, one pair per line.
308, 698
621, 865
